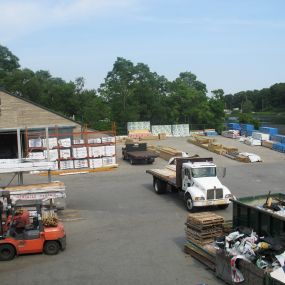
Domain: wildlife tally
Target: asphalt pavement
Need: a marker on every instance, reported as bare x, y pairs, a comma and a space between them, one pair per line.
126, 234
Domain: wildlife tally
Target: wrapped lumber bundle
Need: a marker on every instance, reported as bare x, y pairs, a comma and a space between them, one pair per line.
203, 228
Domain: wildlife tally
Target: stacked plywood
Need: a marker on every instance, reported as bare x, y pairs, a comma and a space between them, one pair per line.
216, 148
203, 228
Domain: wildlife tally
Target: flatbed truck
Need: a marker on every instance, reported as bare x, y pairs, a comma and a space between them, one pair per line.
196, 178
137, 153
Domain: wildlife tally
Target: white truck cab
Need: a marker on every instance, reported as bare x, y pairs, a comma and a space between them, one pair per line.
202, 187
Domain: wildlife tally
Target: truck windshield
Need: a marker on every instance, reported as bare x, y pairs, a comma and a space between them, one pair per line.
203, 172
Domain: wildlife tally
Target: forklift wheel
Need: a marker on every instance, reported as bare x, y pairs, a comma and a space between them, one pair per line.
51, 247
7, 252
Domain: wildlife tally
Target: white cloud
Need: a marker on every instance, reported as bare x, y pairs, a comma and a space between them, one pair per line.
20, 17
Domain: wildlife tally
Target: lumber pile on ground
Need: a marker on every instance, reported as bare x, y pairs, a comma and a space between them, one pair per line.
167, 152
203, 228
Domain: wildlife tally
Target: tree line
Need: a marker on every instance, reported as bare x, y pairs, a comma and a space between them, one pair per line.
130, 92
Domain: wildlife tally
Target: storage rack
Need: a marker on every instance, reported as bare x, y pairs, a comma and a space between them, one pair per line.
72, 150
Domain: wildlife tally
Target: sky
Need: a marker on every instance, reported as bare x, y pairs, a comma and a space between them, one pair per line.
235, 45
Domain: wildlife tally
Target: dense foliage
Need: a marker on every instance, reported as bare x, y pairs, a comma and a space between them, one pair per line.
267, 99
129, 93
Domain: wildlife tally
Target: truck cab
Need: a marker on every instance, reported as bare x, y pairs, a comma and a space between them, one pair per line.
202, 187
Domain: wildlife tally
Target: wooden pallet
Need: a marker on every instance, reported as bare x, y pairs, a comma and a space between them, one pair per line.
203, 255
204, 218
203, 234
200, 241
198, 227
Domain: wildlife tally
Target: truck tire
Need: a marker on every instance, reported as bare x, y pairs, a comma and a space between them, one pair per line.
51, 247
150, 160
189, 203
159, 186
7, 252
223, 207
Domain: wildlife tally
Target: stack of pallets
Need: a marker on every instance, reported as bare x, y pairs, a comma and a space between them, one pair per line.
203, 228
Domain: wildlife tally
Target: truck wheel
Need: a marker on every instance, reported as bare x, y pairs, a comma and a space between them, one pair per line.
7, 252
189, 203
150, 160
223, 207
159, 186
51, 247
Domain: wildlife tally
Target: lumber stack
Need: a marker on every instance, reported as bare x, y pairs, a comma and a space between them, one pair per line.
216, 148
167, 152
203, 228
49, 219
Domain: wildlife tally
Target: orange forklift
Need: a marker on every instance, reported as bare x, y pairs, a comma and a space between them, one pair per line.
22, 230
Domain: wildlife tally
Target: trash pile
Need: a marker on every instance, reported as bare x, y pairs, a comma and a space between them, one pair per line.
274, 205
267, 253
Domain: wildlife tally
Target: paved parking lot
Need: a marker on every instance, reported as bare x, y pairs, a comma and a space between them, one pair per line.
130, 235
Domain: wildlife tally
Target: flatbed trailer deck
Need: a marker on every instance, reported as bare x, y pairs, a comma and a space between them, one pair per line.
138, 153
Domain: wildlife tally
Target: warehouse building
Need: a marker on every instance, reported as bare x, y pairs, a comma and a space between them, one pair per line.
19, 116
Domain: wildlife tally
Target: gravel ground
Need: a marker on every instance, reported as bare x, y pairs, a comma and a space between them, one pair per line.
129, 235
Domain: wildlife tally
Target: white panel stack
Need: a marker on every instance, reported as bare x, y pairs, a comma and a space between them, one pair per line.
78, 141
110, 150
82, 163
79, 152
36, 155
65, 153
181, 130
251, 141
109, 161
95, 162
108, 139
52, 142
53, 154
261, 136
35, 142
66, 164
138, 126
65, 142
96, 151
161, 129
93, 141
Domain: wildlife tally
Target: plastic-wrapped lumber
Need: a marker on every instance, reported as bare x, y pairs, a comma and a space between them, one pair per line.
278, 138
247, 127
268, 130
138, 126
260, 136
161, 129
279, 147
268, 144
181, 130
234, 126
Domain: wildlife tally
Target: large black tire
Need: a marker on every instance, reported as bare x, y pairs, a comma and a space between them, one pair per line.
189, 203
159, 186
223, 207
51, 247
7, 252
150, 160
